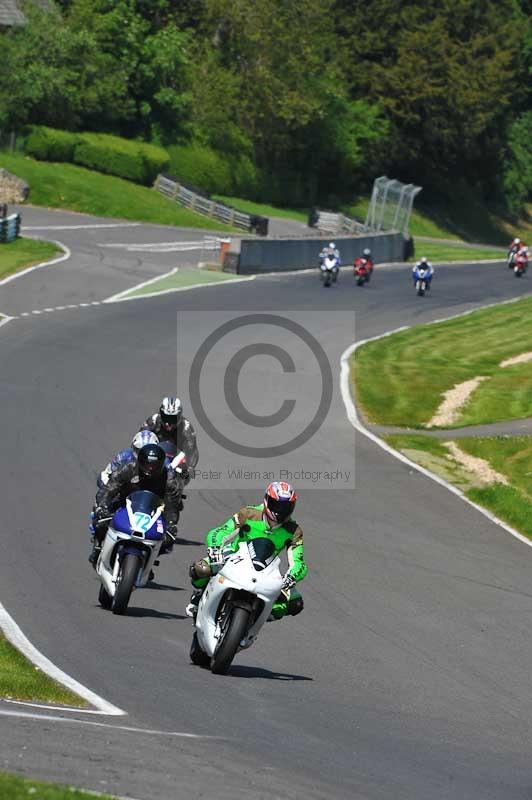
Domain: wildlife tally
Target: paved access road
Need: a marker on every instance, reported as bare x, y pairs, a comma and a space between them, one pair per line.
407, 675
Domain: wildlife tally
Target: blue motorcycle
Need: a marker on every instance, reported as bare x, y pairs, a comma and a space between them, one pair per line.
130, 549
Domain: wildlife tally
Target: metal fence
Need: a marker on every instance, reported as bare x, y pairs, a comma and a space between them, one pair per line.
331, 222
9, 228
211, 208
391, 205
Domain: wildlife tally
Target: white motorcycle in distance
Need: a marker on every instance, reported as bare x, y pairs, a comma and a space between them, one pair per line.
130, 549
329, 270
236, 603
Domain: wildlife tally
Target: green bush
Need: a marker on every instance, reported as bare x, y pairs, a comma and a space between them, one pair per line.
49, 144
126, 158
200, 166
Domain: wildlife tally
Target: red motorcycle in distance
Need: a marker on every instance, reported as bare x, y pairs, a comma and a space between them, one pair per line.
520, 263
363, 268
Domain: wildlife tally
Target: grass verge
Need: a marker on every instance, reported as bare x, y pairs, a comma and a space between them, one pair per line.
74, 188
179, 280
510, 456
21, 680
14, 788
444, 252
400, 379
249, 207
23, 253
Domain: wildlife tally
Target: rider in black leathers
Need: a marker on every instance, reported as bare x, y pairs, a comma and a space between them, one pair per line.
148, 472
170, 424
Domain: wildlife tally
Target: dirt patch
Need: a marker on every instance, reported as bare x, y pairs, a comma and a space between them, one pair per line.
478, 466
453, 402
522, 359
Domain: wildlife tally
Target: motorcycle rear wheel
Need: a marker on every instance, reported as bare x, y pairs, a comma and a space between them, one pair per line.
126, 580
234, 632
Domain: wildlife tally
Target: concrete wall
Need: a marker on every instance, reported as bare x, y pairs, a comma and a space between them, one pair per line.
281, 255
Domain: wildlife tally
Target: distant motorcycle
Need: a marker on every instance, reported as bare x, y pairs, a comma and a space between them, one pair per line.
520, 264
421, 283
329, 270
362, 271
130, 549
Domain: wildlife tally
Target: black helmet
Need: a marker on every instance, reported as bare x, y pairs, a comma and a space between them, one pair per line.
151, 460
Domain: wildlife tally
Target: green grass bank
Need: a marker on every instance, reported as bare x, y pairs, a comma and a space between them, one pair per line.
14, 788
21, 680
400, 379
23, 253
510, 456
73, 188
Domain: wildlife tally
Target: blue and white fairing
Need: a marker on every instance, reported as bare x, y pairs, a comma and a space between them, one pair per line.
142, 516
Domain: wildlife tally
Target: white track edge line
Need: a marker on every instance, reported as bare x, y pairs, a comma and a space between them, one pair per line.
92, 723
354, 419
66, 255
17, 638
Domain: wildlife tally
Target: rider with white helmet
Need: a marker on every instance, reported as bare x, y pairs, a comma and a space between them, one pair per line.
425, 265
169, 424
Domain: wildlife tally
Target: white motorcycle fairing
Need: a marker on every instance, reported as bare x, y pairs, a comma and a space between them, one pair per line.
245, 581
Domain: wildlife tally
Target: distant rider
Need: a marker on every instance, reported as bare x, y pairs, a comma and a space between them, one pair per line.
425, 264
125, 456
147, 472
169, 423
365, 259
271, 519
514, 248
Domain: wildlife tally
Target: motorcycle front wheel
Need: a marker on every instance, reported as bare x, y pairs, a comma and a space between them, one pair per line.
233, 632
126, 580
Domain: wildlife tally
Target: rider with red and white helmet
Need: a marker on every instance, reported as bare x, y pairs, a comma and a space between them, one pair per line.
271, 518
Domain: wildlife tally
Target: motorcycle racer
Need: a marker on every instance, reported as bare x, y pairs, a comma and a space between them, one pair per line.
271, 519
125, 456
170, 424
425, 264
147, 472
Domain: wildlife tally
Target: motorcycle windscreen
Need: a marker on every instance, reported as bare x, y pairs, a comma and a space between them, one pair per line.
144, 505
262, 552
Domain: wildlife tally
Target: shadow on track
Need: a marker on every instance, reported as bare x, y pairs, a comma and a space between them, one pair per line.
236, 671
133, 611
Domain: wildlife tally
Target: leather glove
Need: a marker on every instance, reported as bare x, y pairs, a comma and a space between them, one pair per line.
288, 582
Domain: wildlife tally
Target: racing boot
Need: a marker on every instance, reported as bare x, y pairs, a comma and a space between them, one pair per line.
192, 609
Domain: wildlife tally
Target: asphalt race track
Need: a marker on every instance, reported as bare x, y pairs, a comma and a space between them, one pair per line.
406, 676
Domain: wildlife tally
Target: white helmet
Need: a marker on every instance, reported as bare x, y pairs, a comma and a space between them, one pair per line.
332, 245
424, 260
517, 241
171, 413
143, 437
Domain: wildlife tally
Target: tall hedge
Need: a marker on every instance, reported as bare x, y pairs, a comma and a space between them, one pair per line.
126, 158
49, 144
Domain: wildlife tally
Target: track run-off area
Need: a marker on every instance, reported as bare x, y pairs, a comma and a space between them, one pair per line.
406, 675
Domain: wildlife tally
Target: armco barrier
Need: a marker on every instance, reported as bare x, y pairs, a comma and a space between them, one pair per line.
9, 228
282, 255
